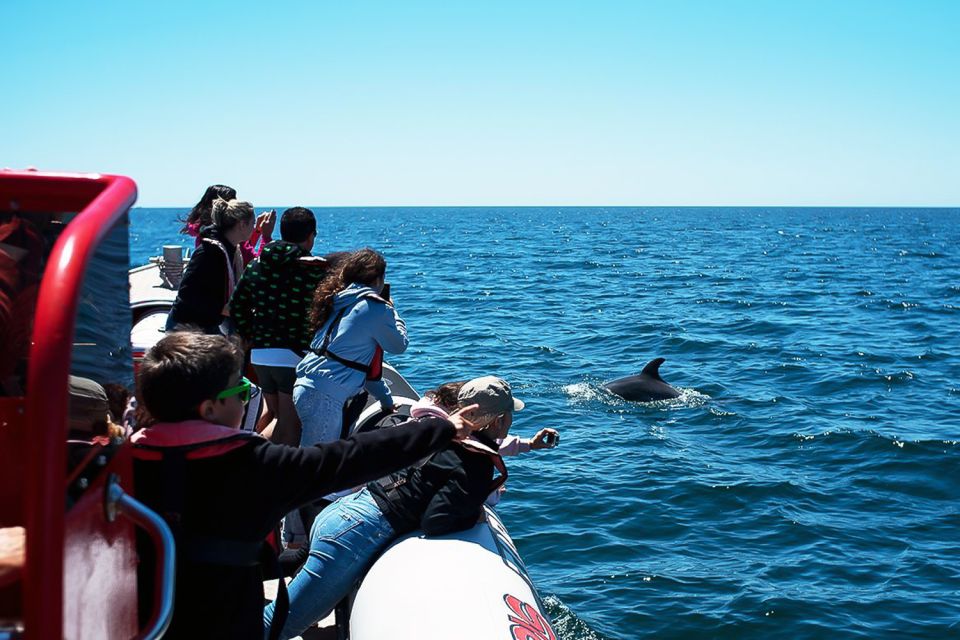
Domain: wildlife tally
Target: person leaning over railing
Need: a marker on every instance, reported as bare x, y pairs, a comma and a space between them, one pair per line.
444, 400
441, 495
222, 491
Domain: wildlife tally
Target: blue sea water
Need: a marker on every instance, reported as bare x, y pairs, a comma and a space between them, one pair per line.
806, 484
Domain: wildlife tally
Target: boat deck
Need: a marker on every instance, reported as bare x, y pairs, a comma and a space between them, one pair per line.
148, 289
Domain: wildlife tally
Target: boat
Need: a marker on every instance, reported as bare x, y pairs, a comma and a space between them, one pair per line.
480, 566
62, 237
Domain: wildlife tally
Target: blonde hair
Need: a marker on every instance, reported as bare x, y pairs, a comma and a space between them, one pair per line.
226, 214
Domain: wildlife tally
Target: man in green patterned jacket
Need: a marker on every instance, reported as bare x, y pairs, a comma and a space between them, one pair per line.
270, 306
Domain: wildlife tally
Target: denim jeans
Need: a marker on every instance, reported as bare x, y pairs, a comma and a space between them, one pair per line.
321, 415
344, 540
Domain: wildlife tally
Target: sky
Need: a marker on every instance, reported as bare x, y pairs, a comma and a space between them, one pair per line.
493, 102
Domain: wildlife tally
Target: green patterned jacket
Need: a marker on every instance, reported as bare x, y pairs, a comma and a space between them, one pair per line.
271, 303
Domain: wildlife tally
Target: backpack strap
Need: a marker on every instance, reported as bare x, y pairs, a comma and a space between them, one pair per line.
498, 464
233, 268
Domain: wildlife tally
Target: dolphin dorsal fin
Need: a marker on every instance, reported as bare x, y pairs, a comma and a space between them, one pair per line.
653, 368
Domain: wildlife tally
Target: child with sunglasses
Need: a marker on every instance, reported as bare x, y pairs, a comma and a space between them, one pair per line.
223, 491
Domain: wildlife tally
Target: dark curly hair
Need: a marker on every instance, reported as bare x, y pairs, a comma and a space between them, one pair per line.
446, 395
360, 267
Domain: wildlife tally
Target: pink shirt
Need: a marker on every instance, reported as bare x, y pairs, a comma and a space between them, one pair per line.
249, 250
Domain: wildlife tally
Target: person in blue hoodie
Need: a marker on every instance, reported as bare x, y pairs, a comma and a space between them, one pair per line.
353, 326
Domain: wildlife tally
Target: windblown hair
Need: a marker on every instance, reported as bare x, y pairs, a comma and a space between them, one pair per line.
200, 214
446, 395
184, 369
227, 214
360, 267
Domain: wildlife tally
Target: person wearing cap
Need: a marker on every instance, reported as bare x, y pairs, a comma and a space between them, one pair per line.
441, 495
90, 417
444, 399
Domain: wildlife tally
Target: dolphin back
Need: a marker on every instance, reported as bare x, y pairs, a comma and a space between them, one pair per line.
653, 369
646, 387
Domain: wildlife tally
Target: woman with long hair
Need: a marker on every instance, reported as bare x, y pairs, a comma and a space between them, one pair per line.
352, 326
201, 216
214, 269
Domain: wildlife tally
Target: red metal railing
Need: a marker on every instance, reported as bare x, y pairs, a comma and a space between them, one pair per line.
101, 200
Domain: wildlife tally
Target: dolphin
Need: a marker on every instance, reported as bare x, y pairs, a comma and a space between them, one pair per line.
646, 387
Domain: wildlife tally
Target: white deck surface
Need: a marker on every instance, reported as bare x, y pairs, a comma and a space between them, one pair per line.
146, 286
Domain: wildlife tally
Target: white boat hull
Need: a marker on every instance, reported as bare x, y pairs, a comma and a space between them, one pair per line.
470, 585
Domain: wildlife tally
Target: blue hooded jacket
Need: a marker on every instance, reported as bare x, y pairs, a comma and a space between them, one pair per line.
366, 324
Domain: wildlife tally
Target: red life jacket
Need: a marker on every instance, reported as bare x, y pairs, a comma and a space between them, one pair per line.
172, 444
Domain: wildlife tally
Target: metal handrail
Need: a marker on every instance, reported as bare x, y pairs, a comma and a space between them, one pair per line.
119, 502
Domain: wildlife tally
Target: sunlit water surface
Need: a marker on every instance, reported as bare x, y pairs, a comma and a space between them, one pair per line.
806, 484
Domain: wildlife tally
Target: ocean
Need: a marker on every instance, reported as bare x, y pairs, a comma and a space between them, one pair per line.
805, 484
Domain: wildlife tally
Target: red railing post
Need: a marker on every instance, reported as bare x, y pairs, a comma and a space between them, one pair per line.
101, 200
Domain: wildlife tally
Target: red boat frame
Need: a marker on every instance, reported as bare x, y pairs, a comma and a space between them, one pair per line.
100, 596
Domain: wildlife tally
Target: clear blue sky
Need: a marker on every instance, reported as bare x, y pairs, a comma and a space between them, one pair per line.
840, 102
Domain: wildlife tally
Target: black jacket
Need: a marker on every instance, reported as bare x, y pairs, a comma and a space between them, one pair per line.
238, 496
444, 495
204, 288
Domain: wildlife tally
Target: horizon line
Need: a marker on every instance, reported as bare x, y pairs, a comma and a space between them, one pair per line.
583, 206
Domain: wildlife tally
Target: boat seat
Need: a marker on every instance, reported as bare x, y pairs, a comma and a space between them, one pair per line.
171, 265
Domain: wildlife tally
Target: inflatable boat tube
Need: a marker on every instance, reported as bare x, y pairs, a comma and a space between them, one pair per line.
470, 585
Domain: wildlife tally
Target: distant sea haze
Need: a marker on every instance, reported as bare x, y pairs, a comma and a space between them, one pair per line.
806, 482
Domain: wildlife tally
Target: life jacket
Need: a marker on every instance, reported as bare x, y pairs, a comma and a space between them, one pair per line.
173, 454
373, 370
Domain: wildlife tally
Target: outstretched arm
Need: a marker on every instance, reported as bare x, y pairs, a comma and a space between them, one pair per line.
293, 476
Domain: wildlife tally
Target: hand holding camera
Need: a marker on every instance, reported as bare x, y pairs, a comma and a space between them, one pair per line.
545, 439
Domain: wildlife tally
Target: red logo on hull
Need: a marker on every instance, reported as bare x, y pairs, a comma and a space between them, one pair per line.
528, 624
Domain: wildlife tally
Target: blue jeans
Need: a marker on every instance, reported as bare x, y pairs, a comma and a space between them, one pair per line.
321, 415
344, 540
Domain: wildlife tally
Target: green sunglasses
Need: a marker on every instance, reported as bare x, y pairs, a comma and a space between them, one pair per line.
242, 390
